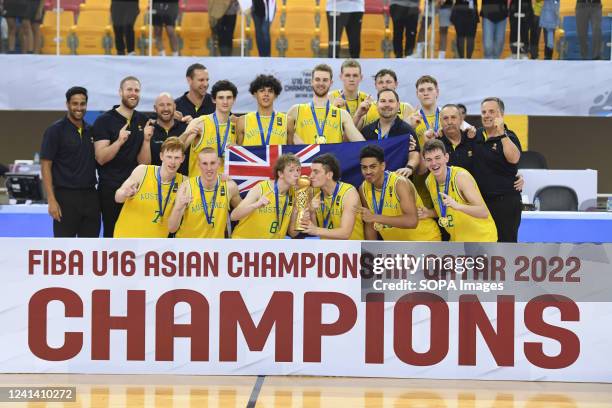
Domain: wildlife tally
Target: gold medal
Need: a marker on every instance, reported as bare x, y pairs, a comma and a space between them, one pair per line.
378, 226
321, 140
443, 222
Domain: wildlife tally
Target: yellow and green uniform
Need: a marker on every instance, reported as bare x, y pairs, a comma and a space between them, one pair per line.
194, 223
372, 115
426, 230
419, 179
306, 129
140, 215
462, 227
252, 134
335, 211
208, 138
351, 104
262, 223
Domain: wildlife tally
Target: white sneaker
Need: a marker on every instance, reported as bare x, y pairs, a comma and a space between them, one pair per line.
162, 53
131, 54
442, 55
175, 53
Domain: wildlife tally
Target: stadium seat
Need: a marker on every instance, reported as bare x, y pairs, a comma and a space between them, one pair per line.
48, 30
95, 5
375, 38
200, 6
295, 37
556, 198
93, 32
569, 47
374, 7
69, 5
194, 34
532, 160
249, 34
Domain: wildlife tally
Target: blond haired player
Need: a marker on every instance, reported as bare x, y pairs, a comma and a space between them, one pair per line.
148, 195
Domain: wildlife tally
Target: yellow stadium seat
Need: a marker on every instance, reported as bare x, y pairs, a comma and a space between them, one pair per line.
195, 34
48, 30
249, 34
295, 37
93, 32
90, 5
373, 34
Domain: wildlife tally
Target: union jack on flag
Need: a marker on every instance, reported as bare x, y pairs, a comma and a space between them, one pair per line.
248, 165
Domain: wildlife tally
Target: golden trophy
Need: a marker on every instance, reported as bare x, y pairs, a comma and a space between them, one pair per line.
302, 201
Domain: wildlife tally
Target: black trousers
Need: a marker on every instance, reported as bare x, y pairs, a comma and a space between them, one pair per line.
225, 34
506, 212
526, 22
80, 213
405, 20
110, 209
123, 14
352, 23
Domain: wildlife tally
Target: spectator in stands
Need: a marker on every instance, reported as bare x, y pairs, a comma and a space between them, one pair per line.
195, 102
123, 14
22, 10
494, 15
222, 17
405, 16
589, 11
463, 113
37, 13
263, 14
69, 171
444, 8
534, 29
526, 20
118, 138
164, 14
161, 129
465, 19
348, 15
549, 21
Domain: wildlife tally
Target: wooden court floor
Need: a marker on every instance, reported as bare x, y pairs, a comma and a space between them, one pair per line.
174, 391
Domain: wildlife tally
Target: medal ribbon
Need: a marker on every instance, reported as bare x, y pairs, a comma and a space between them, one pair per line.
162, 209
320, 129
209, 217
331, 205
380, 133
378, 207
265, 141
221, 147
446, 186
436, 123
282, 216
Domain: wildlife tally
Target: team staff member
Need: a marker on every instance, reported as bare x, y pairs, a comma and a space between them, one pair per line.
367, 112
458, 203
203, 202
498, 151
264, 126
349, 97
458, 144
195, 102
118, 139
389, 124
148, 195
332, 213
267, 210
69, 171
319, 121
215, 130
389, 202
161, 129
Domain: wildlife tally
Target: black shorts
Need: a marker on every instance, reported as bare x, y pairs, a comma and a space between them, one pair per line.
16, 8
165, 14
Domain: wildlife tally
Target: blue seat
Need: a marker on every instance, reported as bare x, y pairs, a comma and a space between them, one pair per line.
570, 46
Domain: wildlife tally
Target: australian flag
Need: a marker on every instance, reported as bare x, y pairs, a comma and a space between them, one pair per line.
248, 165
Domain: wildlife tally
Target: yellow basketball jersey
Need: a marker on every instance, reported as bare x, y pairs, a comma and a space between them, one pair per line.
262, 223
140, 216
422, 127
351, 104
307, 130
426, 230
252, 134
194, 223
208, 138
335, 212
372, 115
462, 227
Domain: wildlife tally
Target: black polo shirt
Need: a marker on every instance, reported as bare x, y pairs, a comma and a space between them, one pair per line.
160, 135
187, 108
398, 128
462, 154
493, 173
72, 154
107, 127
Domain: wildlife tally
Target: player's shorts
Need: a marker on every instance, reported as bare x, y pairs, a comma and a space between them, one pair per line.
165, 14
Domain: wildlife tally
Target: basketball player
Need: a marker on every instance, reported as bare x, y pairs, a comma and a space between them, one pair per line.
333, 210
148, 195
267, 210
215, 130
368, 113
264, 126
349, 97
458, 203
319, 121
203, 202
390, 202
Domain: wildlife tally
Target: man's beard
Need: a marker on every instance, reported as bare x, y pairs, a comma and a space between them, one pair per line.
126, 102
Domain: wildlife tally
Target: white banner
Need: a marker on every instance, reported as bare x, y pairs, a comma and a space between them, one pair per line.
275, 308
556, 88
